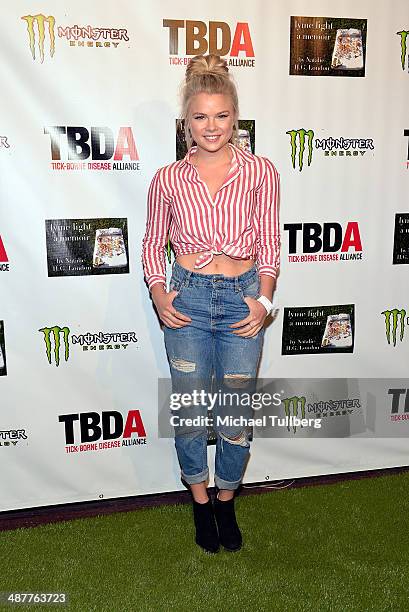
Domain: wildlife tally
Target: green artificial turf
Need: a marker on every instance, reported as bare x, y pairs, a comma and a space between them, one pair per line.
341, 547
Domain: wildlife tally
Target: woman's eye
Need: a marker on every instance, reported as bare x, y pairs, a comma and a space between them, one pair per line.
223, 116
199, 117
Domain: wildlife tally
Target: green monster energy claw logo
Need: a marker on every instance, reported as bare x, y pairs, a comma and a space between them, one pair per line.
391, 323
291, 405
403, 42
54, 334
300, 136
40, 20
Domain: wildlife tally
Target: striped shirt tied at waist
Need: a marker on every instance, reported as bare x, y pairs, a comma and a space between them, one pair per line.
242, 221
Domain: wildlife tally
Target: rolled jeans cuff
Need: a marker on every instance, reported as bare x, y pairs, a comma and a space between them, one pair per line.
225, 484
195, 478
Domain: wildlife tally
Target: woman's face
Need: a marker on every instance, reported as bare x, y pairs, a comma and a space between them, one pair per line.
211, 119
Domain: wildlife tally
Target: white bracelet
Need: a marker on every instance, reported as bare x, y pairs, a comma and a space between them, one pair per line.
266, 303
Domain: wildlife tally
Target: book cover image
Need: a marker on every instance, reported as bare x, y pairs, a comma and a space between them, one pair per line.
338, 331
82, 247
246, 138
318, 329
327, 46
401, 239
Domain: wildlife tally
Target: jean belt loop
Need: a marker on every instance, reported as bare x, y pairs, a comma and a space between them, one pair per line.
188, 274
236, 284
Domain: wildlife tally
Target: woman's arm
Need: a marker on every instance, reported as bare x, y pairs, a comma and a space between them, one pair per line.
268, 240
154, 241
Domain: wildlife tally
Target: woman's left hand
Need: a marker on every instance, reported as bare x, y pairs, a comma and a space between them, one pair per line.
251, 325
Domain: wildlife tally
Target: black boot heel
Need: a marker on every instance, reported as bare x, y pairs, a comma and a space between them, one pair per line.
229, 532
206, 528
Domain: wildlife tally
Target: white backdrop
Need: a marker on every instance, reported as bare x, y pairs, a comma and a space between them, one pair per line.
134, 85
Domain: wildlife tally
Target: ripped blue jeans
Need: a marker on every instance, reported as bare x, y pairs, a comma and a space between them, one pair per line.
204, 349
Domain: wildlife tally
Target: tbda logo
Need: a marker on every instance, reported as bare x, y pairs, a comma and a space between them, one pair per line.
395, 321
4, 261
328, 238
397, 402
106, 427
99, 144
215, 37
58, 337
77, 36
403, 47
302, 141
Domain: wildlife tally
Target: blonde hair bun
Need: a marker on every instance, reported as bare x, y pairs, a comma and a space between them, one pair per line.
206, 64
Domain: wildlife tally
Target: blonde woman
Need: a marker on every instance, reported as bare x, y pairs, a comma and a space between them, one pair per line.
220, 205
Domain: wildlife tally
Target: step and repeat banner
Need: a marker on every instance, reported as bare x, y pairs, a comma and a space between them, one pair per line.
88, 114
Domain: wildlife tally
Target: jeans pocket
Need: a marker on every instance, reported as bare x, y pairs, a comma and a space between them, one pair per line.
251, 290
176, 285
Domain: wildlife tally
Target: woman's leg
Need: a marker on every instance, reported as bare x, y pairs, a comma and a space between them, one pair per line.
190, 355
236, 363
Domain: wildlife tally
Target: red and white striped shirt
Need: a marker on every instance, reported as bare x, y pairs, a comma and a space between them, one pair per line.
242, 221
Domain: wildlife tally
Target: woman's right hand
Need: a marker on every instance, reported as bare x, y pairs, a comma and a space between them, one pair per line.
167, 313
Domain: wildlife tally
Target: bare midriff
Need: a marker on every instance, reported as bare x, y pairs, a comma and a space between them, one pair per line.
220, 264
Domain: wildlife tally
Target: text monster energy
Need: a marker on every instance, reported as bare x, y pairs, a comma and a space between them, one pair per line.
403, 45
291, 405
54, 333
300, 135
104, 338
392, 318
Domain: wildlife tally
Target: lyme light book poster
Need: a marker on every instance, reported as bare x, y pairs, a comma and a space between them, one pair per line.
327, 46
82, 247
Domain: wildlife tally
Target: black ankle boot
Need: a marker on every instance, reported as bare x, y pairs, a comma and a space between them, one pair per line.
229, 532
206, 528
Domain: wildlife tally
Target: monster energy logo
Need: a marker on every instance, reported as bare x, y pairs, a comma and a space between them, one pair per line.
391, 323
40, 20
299, 135
403, 42
54, 334
291, 405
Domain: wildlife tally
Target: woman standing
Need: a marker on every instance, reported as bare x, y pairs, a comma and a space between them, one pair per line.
220, 205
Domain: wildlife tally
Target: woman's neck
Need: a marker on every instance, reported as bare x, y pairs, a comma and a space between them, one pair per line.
210, 158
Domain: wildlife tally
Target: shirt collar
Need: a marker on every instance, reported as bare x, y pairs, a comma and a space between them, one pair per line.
240, 156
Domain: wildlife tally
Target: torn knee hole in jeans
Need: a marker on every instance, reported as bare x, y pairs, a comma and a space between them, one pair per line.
236, 380
240, 440
183, 365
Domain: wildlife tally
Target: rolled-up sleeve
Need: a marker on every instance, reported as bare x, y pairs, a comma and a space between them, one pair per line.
267, 219
155, 238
